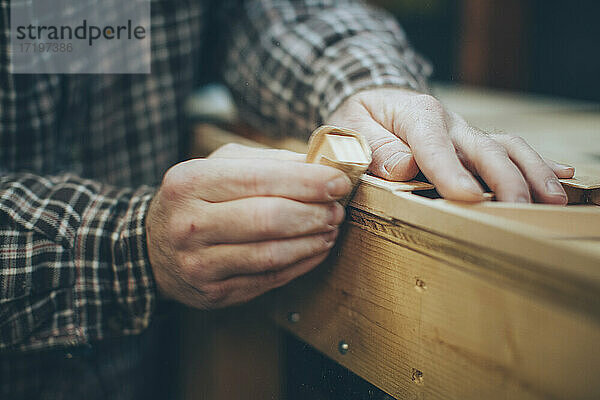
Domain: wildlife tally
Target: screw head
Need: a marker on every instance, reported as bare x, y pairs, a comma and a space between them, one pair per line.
343, 347
294, 317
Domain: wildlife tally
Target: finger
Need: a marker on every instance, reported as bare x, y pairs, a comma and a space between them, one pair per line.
260, 218
562, 171
541, 178
427, 134
492, 162
234, 150
392, 158
241, 289
217, 180
226, 260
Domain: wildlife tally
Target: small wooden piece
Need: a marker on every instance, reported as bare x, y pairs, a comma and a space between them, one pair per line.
582, 190
410, 186
582, 182
340, 148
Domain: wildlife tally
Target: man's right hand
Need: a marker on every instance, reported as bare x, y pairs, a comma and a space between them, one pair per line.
222, 231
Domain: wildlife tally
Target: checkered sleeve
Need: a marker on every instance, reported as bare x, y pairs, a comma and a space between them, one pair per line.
291, 63
73, 261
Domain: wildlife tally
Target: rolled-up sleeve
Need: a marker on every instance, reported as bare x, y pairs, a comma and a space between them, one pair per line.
73, 261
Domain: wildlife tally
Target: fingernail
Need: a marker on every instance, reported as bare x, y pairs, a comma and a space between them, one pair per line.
467, 183
564, 166
338, 187
390, 164
554, 187
336, 214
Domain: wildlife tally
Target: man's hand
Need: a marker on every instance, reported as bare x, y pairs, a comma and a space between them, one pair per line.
222, 230
409, 131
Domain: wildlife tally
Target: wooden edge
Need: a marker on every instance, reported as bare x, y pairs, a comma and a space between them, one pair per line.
488, 231
409, 186
582, 182
577, 221
595, 197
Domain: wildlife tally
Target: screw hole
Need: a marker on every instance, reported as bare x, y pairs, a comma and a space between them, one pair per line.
294, 317
417, 376
420, 285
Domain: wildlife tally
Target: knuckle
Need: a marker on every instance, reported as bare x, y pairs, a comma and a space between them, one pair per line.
259, 219
318, 217
319, 245
263, 216
428, 103
173, 177
250, 177
176, 181
230, 148
384, 151
186, 262
215, 293
379, 143
192, 268
275, 279
174, 230
269, 258
515, 140
488, 145
169, 191
252, 181
180, 228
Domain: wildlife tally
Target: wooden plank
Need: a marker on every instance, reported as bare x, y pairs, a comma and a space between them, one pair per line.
558, 222
582, 189
467, 225
511, 308
582, 182
426, 316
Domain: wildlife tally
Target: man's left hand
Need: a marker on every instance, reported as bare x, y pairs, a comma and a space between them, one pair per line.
409, 131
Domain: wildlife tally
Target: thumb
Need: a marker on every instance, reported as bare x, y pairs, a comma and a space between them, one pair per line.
392, 158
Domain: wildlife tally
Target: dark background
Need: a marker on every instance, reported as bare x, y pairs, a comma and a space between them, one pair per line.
540, 46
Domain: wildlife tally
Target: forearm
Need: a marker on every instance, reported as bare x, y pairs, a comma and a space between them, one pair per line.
291, 65
73, 261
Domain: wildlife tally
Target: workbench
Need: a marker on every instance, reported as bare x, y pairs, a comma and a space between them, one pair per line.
433, 299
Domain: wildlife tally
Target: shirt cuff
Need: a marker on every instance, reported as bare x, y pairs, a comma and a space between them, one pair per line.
133, 284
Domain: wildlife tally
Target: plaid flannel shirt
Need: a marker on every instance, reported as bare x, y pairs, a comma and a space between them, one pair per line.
80, 155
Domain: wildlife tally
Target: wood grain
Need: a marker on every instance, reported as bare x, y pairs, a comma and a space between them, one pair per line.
426, 316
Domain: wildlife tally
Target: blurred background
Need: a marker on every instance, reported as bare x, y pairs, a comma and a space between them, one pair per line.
541, 46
